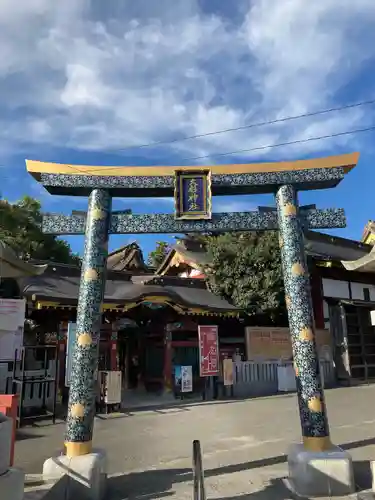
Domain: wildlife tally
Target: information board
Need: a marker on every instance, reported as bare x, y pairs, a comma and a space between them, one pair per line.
186, 378
208, 350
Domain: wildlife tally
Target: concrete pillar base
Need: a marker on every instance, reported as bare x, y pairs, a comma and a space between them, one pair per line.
12, 485
82, 477
328, 473
372, 465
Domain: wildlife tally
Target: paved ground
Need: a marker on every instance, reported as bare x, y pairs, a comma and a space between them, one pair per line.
244, 445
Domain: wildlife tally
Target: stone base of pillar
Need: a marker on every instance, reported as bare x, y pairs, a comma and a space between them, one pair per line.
83, 477
12, 485
372, 465
328, 473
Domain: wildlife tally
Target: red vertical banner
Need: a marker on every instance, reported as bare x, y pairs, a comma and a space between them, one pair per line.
113, 346
208, 350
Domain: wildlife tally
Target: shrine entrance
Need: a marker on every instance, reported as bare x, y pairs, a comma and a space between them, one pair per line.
192, 189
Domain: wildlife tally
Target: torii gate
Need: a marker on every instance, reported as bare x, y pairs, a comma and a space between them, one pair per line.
192, 188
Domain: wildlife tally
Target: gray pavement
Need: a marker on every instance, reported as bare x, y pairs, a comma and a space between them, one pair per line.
244, 445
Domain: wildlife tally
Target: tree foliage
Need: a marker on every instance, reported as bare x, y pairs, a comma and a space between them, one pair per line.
20, 228
245, 268
157, 256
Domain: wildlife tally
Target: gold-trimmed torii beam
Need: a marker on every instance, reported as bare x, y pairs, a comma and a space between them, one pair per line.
155, 181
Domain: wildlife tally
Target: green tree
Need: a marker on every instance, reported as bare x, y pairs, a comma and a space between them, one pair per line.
245, 268
21, 229
157, 256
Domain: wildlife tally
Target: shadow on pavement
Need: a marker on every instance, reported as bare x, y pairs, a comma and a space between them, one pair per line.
276, 489
186, 404
150, 484
178, 406
47, 423
22, 435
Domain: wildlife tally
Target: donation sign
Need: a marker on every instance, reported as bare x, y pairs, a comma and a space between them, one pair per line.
208, 350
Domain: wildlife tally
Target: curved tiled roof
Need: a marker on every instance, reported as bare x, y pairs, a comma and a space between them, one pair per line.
126, 258
13, 267
65, 290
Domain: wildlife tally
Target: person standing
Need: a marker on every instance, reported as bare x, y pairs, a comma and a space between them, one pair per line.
134, 372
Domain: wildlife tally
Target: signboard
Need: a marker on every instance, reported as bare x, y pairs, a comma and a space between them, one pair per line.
208, 350
372, 318
10, 342
186, 378
228, 371
12, 314
12, 321
71, 340
193, 194
183, 378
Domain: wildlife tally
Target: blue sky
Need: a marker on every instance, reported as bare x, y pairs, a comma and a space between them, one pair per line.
82, 80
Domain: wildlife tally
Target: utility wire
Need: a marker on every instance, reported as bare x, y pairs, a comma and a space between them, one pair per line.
269, 146
251, 125
239, 151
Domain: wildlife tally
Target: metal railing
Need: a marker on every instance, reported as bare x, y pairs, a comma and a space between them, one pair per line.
199, 492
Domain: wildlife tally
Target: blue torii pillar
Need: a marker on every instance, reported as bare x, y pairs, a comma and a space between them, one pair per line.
83, 386
312, 409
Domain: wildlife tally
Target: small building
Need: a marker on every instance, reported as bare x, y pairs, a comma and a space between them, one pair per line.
149, 323
344, 295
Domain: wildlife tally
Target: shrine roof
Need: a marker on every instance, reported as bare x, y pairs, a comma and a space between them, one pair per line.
334, 247
191, 256
156, 181
185, 293
363, 264
126, 258
318, 246
13, 267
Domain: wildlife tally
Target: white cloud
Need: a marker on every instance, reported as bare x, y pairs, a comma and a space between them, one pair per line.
233, 204
242, 203
103, 75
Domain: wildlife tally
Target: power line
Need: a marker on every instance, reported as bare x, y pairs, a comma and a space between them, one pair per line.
239, 151
251, 125
299, 141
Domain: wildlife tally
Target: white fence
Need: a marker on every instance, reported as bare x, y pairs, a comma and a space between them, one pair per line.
33, 393
255, 378
250, 378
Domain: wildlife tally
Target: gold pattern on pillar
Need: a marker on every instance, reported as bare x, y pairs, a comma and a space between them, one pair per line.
315, 404
90, 275
77, 410
298, 269
289, 209
306, 334
84, 339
